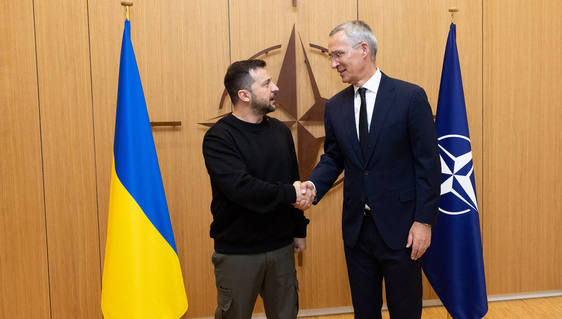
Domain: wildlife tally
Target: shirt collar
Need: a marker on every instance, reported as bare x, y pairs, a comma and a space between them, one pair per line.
372, 84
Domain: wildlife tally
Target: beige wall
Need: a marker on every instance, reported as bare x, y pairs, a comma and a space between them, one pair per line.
24, 275
522, 145
59, 68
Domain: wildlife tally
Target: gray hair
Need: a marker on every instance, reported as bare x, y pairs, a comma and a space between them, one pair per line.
358, 31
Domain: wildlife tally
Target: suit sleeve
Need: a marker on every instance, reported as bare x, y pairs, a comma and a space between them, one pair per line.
229, 174
331, 162
423, 141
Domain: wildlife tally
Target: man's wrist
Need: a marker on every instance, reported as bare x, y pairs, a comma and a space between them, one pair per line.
424, 224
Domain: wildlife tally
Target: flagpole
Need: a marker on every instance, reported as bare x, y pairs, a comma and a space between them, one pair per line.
451, 10
127, 4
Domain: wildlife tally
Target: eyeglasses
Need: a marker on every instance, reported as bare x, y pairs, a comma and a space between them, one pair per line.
336, 55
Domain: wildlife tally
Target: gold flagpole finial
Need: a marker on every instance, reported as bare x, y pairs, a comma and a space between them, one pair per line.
452, 11
127, 4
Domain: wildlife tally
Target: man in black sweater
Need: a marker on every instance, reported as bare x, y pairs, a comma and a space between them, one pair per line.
257, 223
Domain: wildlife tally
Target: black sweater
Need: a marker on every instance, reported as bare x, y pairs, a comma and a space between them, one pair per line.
252, 168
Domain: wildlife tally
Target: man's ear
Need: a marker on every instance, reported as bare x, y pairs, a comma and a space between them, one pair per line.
244, 95
366, 50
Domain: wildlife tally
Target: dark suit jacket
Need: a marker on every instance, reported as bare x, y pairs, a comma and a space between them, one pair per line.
400, 179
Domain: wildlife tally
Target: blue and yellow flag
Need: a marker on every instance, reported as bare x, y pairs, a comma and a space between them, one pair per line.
453, 263
141, 276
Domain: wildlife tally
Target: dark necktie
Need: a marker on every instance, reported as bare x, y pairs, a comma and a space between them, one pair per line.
363, 124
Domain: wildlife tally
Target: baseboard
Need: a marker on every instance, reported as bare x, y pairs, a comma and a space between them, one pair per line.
426, 303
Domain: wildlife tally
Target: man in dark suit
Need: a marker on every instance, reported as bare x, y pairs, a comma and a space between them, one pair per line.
380, 131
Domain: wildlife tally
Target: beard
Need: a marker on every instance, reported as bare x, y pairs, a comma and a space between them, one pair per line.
261, 107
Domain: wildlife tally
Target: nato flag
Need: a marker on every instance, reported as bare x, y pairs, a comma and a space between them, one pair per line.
453, 263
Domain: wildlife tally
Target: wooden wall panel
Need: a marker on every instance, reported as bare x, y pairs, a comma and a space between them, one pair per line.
182, 52
522, 140
257, 25
24, 292
411, 39
68, 158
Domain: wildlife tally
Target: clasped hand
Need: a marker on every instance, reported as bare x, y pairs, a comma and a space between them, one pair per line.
305, 194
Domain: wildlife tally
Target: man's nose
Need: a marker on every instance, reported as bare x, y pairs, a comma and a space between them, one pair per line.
274, 88
334, 63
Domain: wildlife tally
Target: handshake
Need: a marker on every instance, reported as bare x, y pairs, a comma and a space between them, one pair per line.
306, 192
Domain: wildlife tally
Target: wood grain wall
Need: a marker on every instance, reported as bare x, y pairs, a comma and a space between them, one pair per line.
59, 70
522, 145
65, 100
24, 275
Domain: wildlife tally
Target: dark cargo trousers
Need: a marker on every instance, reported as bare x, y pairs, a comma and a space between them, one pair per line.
240, 278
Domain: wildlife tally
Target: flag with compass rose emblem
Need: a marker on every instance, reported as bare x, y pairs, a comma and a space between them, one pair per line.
453, 263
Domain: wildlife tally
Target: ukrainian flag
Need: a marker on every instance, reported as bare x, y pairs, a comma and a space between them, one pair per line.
142, 276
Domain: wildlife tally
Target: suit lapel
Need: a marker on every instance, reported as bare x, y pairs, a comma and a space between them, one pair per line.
383, 103
349, 122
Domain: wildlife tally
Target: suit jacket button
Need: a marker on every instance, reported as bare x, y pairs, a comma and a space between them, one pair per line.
366, 173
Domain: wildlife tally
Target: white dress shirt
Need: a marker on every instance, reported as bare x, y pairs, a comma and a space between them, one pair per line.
372, 86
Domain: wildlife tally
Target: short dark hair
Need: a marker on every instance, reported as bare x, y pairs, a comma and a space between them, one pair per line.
238, 77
